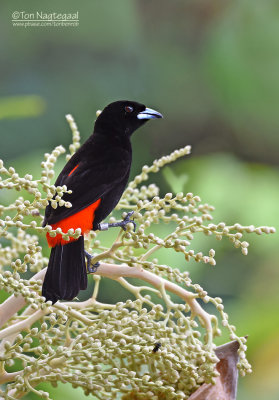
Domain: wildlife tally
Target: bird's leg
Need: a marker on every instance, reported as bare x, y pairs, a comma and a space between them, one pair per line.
122, 224
103, 227
90, 268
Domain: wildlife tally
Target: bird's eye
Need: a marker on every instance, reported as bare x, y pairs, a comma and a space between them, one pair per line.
129, 109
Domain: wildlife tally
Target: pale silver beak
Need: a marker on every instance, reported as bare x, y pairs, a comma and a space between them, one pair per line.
148, 113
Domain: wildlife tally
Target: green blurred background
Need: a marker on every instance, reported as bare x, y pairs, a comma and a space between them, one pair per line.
211, 67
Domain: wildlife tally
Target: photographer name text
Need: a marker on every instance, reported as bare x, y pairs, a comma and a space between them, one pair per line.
44, 16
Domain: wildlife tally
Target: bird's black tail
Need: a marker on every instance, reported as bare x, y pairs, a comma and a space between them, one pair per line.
66, 273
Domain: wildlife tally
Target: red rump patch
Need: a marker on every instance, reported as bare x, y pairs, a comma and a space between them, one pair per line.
70, 173
82, 219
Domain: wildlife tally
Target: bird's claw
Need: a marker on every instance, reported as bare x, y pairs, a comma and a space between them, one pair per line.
127, 221
90, 268
122, 224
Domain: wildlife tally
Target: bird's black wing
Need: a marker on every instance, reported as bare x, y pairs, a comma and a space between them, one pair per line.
90, 181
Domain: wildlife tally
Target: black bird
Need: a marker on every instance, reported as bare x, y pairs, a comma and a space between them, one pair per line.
97, 175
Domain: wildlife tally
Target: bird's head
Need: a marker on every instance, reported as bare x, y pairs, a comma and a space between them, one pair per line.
124, 117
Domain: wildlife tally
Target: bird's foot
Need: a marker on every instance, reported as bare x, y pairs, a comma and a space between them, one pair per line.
121, 224
90, 268
127, 221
